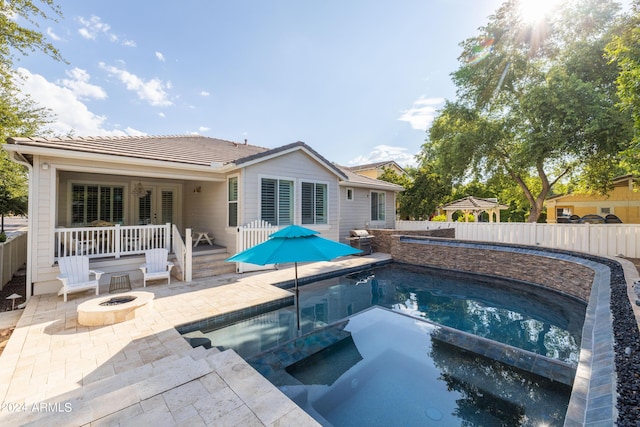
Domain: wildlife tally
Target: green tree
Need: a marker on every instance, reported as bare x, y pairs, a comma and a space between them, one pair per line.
20, 34
19, 115
424, 191
624, 52
540, 103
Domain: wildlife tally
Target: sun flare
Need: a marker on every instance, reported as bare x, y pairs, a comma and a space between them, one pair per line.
534, 11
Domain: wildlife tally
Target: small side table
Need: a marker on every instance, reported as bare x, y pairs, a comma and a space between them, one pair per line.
119, 283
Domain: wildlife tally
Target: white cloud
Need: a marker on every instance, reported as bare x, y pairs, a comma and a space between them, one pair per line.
381, 153
80, 86
160, 56
92, 27
422, 113
134, 132
152, 91
86, 34
204, 129
162, 115
204, 93
53, 35
72, 116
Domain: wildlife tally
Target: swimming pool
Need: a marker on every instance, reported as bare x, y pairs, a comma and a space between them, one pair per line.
514, 313
400, 373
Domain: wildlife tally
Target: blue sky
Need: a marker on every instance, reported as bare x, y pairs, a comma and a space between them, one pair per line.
359, 81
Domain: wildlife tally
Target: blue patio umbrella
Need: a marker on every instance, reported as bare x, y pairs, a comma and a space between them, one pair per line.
294, 244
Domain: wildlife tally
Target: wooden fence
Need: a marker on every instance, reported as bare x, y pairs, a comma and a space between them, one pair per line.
13, 255
596, 239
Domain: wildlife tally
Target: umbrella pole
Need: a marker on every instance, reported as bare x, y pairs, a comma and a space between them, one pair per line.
295, 265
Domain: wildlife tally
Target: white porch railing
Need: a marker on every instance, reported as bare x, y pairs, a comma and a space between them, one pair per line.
183, 253
249, 235
596, 239
113, 241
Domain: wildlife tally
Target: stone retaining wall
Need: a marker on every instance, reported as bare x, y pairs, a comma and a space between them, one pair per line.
383, 237
494, 259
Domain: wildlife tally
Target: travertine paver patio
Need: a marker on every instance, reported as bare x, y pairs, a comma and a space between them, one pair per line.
54, 370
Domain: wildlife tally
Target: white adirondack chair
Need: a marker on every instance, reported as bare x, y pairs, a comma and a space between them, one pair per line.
156, 266
76, 276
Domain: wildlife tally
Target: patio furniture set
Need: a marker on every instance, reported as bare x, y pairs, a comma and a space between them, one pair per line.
76, 276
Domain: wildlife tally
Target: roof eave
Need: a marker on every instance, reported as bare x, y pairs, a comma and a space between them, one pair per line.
81, 155
277, 152
372, 185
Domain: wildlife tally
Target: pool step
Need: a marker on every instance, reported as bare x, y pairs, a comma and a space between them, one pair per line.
126, 391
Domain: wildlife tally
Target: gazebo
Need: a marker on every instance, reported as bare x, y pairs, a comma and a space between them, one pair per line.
475, 206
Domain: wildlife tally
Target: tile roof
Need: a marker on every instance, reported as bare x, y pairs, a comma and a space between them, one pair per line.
354, 178
188, 149
376, 165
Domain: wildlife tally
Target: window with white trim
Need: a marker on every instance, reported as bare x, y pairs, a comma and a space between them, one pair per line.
378, 206
232, 201
91, 202
276, 201
349, 194
314, 203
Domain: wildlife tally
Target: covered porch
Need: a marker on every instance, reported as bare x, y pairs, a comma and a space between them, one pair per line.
114, 219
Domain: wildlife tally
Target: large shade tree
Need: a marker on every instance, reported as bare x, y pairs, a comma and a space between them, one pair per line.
534, 99
624, 52
19, 115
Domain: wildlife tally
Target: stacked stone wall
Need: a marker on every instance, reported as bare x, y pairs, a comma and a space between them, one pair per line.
494, 259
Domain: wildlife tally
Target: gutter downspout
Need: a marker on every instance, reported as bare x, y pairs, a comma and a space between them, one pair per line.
18, 158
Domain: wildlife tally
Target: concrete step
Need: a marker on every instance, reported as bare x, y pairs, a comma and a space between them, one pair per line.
213, 271
212, 265
110, 395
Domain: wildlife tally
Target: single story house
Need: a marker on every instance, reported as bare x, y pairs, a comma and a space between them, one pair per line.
623, 201
112, 198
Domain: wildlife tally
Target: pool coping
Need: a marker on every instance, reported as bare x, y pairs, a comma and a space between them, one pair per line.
593, 397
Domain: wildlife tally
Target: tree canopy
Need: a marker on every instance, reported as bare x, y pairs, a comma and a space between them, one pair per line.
534, 100
19, 115
624, 52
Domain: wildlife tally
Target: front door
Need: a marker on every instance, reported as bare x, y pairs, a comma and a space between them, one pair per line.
157, 206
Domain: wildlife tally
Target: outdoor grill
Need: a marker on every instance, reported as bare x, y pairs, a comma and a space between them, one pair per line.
361, 239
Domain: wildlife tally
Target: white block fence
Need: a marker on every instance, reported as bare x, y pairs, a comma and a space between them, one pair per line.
596, 239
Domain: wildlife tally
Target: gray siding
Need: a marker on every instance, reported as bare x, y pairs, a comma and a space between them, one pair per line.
298, 167
356, 213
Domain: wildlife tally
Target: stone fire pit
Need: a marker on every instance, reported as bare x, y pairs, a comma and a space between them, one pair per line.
114, 308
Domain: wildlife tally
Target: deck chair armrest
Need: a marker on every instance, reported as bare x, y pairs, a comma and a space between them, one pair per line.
62, 277
143, 267
97, 273
170, 264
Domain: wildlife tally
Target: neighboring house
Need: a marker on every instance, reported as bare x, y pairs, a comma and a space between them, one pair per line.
113, 197
374, 170
623, 201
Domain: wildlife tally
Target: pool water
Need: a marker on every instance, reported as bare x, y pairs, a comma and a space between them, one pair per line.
401, 374
513, 313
